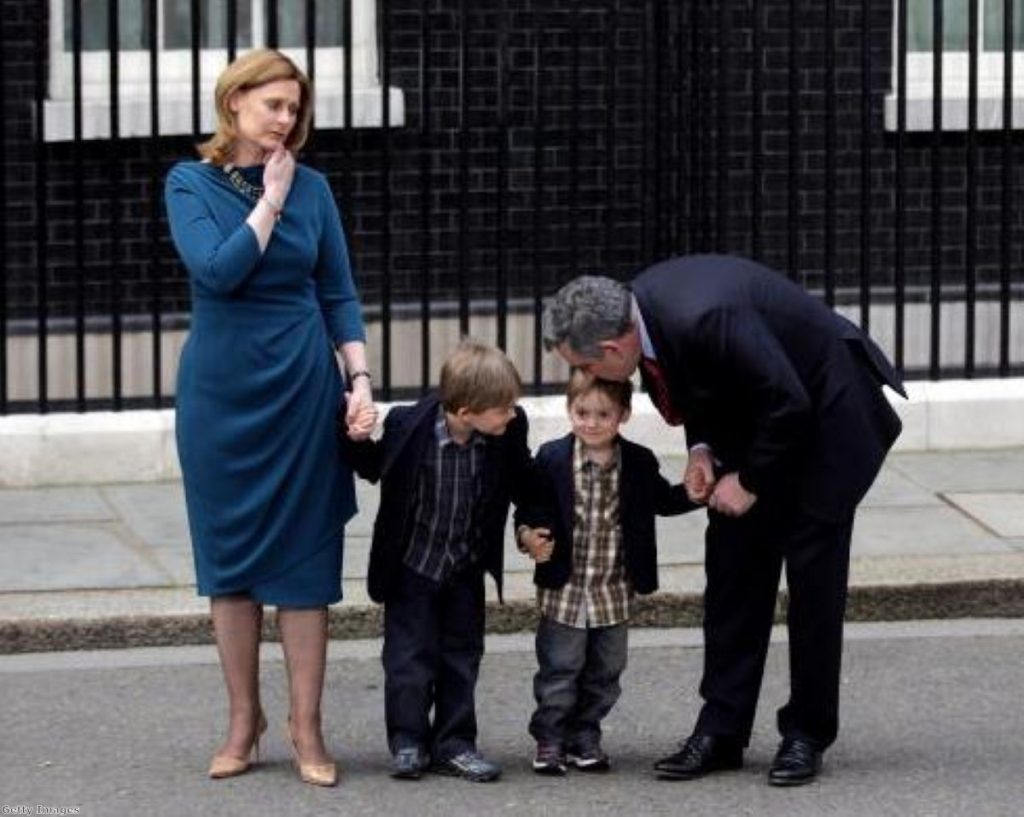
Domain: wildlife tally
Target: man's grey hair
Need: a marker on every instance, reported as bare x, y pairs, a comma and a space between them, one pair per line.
586, 311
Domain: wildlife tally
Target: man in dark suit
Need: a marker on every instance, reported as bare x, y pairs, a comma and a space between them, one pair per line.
787, 427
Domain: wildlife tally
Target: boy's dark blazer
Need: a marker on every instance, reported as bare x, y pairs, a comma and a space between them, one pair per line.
643, 493
395, 461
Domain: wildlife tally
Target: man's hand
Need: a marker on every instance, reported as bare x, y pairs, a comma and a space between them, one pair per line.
730, 497
537, 543
699, 477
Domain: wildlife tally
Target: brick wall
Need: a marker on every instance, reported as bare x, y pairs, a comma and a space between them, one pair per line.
682, 164
377, 177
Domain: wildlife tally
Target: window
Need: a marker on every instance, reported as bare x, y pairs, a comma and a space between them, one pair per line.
955, 64
174, 68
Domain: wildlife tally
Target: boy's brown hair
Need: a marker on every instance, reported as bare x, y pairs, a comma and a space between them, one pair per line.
477, 376
580, 382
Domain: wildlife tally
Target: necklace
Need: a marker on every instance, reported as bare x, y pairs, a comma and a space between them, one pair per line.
250, 191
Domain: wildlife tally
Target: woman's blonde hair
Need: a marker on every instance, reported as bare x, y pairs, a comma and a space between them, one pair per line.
478, 377
249, 71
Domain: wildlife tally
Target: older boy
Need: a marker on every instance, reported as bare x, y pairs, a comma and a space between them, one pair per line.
449, 466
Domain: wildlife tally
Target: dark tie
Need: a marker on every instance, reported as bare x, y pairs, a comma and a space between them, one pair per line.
657, 388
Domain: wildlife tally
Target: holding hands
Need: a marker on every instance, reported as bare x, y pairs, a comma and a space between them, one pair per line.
536, 542
699, 477
726, 495
361, 415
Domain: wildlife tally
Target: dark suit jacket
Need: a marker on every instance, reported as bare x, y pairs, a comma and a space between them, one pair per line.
784, 390
395, 460
643, 492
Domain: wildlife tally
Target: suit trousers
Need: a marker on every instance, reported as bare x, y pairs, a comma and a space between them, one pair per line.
433, 644
743, 562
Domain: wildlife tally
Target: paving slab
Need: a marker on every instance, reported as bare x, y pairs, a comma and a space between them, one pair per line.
1002, 512
357, 555
154, 512
940, 534
681, 538
922, 531
954, 471
894, 489
179, 565
72, 556
29, 505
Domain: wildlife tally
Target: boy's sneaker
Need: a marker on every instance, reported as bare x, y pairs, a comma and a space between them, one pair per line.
409, 763
469, 765
549, 759
589, 758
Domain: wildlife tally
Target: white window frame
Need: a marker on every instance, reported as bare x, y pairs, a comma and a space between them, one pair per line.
174, 69
955, 88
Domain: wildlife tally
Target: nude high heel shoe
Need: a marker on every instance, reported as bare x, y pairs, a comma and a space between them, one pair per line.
224, 765
316, 774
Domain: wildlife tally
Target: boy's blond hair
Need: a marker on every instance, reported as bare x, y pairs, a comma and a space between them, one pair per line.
477, 376
580, 382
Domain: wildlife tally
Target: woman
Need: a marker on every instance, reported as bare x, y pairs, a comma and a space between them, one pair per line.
267, 493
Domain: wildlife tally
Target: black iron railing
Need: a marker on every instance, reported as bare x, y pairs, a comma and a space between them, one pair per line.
536, 141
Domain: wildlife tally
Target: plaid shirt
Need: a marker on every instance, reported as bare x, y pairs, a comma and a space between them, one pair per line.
598, 592
448, 487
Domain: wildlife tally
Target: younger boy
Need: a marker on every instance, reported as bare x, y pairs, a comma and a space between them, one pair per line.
599, 549
449, 466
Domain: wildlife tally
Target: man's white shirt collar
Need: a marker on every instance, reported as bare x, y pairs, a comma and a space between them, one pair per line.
645, 340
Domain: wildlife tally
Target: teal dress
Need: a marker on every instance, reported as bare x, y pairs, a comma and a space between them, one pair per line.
267, 492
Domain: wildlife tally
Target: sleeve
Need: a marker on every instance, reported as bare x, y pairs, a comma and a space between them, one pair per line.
739, 349
535, 501
522, 470
335, 289
669, 499
218, 262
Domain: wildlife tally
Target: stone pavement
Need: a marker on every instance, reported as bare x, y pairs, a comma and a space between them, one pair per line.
941, 535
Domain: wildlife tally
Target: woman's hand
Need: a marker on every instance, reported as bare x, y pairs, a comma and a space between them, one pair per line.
361, 415
277, 176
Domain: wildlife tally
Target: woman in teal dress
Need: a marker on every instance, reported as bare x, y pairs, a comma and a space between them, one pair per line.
267, 493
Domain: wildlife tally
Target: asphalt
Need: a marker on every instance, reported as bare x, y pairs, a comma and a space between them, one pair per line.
940, 535
931, 725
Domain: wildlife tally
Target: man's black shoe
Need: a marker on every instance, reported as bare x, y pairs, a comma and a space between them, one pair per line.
698, 755
409, 763
797, 762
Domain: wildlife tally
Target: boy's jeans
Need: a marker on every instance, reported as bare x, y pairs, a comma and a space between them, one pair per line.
577, 682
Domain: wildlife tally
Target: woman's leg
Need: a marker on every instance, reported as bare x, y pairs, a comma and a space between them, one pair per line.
304, 636
237, 621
